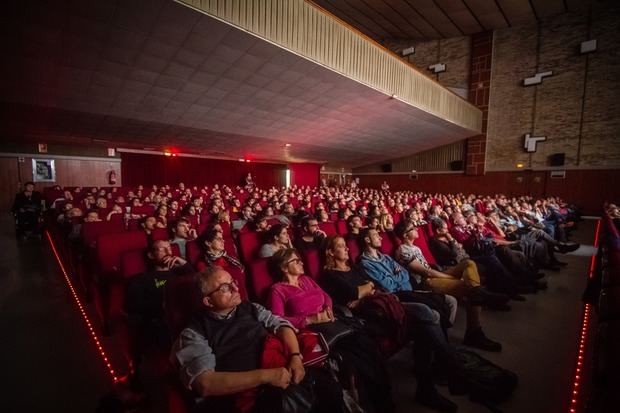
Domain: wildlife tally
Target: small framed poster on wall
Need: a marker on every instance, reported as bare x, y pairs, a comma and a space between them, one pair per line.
43, 170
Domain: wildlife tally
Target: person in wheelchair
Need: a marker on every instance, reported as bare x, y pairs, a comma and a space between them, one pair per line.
27, 211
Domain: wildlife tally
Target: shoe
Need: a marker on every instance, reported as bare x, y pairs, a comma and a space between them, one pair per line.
517, 297
498, 307
435, 401
552, 267
564, 247
540, 285
482, 296
476, 338
539, 275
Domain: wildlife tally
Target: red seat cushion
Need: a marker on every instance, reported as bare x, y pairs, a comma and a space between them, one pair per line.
92, 230
259, 280
133, 263
249, 242
329, 228
341, 227
111, 246
354, 249
312, 262
387, 246
421, 242
160, 234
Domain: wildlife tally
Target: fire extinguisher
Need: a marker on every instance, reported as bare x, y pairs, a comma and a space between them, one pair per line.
112, 178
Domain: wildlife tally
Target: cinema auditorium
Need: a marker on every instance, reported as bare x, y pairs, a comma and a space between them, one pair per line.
310, 206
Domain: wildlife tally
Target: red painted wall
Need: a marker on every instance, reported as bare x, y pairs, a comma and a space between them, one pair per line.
306, 174
158, 169
586, 188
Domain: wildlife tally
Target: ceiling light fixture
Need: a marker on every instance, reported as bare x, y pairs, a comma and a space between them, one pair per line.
288, 145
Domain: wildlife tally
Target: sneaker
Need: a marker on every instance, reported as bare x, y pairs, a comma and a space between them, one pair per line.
564, 247
430, 398
476, 338
482, 296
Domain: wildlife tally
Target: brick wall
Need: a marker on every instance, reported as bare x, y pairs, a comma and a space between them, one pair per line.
554, 108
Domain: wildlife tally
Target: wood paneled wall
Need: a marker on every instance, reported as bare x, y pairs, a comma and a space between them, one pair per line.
588, 188
69, 172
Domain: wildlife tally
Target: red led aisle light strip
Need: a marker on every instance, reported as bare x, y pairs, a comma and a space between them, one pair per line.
585, 321
86, 319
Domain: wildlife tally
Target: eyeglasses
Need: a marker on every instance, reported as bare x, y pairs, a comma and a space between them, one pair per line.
294, 260
224, 288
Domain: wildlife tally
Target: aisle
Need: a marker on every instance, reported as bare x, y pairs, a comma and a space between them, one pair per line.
539, 339
48, 361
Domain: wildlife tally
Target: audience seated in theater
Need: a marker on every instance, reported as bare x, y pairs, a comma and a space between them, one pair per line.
311, 236
298, 299
219, 354
182, 232
461, 281
246, 217
144, 298
472, 236
277, 238
161, 215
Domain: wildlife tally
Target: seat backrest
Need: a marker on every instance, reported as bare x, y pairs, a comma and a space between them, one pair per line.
160, 234
193, 253
354, 249
143, 210
259, 280
111, 246
250, 243
387, 246
312, 263
181, 300
92, 230
422, 243
341, 227
328, 227
133, 263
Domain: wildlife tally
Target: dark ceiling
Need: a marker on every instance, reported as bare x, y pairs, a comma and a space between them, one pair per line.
155, 74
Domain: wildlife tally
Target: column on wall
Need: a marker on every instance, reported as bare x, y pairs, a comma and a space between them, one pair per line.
479, 89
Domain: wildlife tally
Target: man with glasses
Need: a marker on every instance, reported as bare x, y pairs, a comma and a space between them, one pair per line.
219, 354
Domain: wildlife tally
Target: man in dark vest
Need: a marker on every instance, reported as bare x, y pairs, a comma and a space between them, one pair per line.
219, 354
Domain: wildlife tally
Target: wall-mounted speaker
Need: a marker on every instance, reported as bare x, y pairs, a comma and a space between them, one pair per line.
557, 159
386, 167
456, 165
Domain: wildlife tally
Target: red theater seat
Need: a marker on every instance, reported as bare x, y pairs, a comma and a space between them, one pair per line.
387, 246
312, 263
259, 280
329, 228
92, 230
421, 242
160, 234
341, 227
133, 263
354, 250
250, 243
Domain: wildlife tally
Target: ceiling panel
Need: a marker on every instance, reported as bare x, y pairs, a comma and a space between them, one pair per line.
173, 75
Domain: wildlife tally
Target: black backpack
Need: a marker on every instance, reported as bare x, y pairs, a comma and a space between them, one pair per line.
486, 382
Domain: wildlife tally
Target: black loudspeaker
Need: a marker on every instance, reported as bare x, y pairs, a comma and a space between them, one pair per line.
556, 159
456, 165
386, 167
